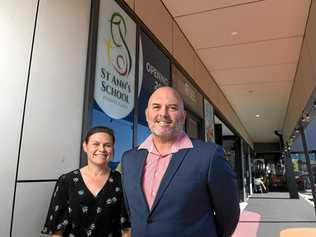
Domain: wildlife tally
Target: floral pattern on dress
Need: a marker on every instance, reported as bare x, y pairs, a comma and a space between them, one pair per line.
75, 211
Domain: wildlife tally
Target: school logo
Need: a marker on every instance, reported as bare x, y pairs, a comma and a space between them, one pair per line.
120, 59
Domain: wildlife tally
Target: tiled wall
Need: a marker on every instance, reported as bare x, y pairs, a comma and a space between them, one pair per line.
41, 101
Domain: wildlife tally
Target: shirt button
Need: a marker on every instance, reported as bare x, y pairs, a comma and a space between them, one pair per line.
153, 193
156, 174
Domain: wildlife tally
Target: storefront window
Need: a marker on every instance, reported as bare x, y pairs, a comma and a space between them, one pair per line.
114, 75
123, 130
209, 121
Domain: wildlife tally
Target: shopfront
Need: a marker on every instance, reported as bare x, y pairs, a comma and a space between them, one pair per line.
126, 65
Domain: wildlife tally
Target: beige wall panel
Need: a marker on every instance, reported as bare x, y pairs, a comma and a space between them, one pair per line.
207, 84
182, 50
303, 87
230, 114
130, 3
310, 38
307, 70
293, 113
305, 80
211, 89
157, 19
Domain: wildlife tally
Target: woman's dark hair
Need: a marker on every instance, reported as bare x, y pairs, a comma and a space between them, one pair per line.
94, 130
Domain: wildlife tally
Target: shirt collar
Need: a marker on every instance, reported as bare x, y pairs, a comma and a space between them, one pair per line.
182, 142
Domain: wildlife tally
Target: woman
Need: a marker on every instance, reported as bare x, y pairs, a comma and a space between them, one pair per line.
89, 201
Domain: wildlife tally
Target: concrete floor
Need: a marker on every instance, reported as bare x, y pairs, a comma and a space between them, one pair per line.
267, 214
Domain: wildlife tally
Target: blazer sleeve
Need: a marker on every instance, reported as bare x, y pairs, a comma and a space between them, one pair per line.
224, 193
123, 182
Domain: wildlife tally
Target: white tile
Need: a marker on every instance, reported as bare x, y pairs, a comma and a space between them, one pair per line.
53, 119
16, 24
30, 209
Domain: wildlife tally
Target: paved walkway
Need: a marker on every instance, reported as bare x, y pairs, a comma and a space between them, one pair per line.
274, 214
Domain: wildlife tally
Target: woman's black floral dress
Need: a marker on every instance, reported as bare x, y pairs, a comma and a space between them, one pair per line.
78, 213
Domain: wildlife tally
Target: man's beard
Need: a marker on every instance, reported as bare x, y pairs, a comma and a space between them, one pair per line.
171, 132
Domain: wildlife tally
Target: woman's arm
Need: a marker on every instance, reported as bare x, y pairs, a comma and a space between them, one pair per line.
57, 234
126, 232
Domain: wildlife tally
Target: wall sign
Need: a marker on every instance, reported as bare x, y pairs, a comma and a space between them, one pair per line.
191, 97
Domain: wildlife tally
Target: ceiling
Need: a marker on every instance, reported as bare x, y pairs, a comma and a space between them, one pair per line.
251, 48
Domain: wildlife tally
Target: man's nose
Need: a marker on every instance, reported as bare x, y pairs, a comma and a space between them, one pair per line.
164, 111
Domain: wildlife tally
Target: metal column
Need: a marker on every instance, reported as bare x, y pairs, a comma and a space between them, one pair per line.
250, 170
243, 178
308, 163
291, 183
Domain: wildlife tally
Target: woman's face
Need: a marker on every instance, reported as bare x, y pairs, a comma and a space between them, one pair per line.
99, 148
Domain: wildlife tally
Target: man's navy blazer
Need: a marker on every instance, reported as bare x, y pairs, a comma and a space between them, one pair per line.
197, 197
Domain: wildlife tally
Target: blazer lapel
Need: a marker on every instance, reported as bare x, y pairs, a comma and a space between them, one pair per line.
173, 166
142, 155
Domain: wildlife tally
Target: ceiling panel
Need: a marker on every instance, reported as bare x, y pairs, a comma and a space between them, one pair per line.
190, 7
251, 48
252, 22
270, 101
255, 75
255, 54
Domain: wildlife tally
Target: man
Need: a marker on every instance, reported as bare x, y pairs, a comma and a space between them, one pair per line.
175, 187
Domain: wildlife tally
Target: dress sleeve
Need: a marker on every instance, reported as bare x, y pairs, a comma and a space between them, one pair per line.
125, 223
58, 212
124, 219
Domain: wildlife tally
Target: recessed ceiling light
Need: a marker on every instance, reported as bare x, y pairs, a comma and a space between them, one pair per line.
257, 115
234, 33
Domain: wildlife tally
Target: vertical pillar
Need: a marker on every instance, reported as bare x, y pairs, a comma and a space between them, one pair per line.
250, 171
243, 165
308, 163
291, 184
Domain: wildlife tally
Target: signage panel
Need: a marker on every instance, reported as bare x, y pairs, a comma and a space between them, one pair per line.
192, 98
154, 72
115, 64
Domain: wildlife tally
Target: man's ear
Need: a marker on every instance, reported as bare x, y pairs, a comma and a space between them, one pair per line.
184, 115
146, 114
84, 146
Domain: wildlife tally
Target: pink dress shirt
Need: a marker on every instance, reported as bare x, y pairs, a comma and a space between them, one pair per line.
157, 164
